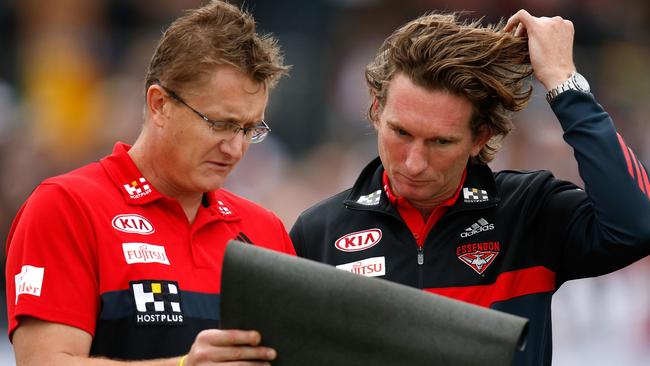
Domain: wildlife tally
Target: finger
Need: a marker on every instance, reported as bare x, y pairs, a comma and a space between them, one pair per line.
513, 21
520, 17
521, 31
230, 337
243, 353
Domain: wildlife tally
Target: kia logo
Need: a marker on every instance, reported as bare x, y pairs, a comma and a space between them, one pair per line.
360, 240
131, 223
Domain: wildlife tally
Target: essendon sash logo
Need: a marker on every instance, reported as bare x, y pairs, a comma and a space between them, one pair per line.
478, 256
360, 240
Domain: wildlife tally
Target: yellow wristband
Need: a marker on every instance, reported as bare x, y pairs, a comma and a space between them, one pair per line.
181, 361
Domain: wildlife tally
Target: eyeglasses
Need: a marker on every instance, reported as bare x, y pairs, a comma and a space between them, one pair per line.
227, 130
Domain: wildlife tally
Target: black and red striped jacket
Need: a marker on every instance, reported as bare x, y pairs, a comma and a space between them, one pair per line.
512, 237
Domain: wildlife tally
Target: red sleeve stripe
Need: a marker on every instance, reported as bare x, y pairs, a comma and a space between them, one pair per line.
638, 171
645, 180
508, 285
627, 155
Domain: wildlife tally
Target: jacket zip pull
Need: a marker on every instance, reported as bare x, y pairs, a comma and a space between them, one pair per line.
420, 255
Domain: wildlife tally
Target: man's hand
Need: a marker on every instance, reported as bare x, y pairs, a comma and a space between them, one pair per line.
37, 342
550, 44
213, 346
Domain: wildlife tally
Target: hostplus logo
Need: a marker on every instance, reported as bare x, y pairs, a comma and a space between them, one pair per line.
157, 302
473, 195
478, 227
138, 188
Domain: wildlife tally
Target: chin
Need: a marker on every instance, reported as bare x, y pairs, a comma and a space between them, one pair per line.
210, 183
415, 195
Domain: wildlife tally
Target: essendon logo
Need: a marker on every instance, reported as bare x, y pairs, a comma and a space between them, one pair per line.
478, 256
360, 240
131, 223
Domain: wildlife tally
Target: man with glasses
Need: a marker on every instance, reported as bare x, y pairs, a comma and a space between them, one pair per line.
121, 259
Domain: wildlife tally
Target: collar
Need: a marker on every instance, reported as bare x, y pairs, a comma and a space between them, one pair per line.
403, 203
136, 189
478, 190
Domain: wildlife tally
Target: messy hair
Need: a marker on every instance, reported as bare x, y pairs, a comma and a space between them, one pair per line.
486, 65
218, 33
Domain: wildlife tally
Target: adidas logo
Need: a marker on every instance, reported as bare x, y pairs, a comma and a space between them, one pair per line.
243, 238
477, 227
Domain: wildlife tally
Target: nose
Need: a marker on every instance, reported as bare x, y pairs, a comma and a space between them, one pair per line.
416, 159
234, 146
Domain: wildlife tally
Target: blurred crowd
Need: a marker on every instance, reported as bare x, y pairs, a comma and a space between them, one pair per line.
71, 84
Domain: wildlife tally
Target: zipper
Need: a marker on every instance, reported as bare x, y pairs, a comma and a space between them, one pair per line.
420, 263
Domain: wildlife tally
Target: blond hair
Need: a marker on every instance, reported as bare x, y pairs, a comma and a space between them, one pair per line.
215, 34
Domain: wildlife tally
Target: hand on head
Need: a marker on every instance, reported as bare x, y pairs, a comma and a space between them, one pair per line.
550, 44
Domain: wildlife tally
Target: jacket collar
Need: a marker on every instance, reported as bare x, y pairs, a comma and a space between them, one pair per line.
479, 190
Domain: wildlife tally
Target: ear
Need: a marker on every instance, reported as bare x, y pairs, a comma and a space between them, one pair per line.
374, 112
482, 137
157, 103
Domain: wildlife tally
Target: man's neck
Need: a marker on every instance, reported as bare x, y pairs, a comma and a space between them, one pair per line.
189, 201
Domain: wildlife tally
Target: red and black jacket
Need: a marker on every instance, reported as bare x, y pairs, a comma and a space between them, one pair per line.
511, 238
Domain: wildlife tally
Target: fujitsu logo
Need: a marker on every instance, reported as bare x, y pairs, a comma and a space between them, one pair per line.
131, 223
370, 267
357, 241
477, 227
144, 253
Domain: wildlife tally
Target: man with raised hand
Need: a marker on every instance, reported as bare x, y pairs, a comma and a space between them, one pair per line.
430, 213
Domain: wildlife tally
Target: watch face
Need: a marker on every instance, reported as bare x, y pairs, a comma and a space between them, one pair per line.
580, 82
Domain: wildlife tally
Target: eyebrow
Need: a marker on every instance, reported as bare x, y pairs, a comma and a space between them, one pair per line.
397, 125
233, 119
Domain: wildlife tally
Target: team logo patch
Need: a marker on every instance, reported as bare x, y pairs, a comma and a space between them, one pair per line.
370, 267
474, 195
478, 256
357, 241
138, 188
478, 227
223, 209
144, 253
371, 199
29, 281
157, 302
132, 223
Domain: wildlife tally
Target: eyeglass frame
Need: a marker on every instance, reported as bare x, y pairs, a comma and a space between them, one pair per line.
212, 123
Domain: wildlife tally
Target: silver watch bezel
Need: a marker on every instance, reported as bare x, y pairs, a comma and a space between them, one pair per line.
580, 82
575, 82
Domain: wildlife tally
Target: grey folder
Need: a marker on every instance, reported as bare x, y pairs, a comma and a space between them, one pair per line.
314, 314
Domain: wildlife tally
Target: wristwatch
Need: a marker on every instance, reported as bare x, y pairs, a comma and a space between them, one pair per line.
575, 82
